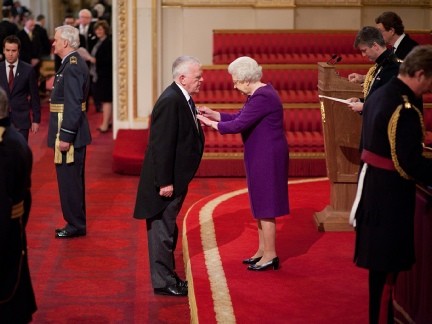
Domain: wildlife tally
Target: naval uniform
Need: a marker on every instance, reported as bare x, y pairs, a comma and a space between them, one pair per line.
68, 123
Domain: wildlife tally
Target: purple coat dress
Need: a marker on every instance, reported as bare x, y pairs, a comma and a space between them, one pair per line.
260, 123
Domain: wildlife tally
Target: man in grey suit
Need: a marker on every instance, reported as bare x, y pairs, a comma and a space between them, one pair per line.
172, 158
69, 132
19, 80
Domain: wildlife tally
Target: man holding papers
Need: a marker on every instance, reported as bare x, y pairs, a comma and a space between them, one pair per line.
371, 44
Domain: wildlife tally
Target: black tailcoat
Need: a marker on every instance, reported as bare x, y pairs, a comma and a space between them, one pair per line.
173, 154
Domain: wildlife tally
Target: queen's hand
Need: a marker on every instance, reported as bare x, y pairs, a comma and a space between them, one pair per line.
204, 120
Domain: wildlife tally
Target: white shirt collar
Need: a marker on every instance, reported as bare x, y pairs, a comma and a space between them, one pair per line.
185, 93
399, 40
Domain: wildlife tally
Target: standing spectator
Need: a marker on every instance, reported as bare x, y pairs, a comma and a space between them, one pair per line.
393, 31
393, 161
30, 44
260, 123
40, 30
7, 26
45, 49
86, 29
101, 72
18, 78
17, 299
172, 158
69, 132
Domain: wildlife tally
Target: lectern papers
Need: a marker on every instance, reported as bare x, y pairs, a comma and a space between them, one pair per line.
336, 99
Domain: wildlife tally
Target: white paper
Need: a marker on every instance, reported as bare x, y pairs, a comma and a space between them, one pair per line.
337, 99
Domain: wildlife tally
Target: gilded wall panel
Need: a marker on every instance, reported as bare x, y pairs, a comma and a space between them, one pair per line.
122, 71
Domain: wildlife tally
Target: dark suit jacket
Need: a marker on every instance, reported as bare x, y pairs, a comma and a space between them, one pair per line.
89, 40
24, 97
104, 59
173, 154
6, 28
405, 46
71, 86
30, 48
45, 42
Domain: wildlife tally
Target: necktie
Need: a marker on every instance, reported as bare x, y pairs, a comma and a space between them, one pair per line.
193, 110
11, 76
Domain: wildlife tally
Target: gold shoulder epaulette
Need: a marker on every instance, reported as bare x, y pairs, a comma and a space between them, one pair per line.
73, 60
392, 129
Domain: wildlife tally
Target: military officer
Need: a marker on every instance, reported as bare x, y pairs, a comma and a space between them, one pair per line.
69, 132
393, 162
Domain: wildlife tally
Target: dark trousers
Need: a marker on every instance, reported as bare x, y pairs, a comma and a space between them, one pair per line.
162, 235
381, 286
71, 184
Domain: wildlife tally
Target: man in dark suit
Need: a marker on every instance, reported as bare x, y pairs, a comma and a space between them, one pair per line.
172, 158
17, 300
86, 29
21, 88
69, 132
30, 44
88, 40
393, 31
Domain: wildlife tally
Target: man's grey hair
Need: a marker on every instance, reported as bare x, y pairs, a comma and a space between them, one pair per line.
70, 34
245, 68
182, 64
4, 107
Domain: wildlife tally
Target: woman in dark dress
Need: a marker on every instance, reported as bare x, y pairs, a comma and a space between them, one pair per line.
260, 123
101, 72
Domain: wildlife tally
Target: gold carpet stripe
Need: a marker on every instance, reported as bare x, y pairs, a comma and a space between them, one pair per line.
220, 292
218, 284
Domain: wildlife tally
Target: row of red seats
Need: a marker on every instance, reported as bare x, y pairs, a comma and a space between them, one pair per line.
292, 46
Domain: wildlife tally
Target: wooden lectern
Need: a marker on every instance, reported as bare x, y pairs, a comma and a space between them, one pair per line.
341, 128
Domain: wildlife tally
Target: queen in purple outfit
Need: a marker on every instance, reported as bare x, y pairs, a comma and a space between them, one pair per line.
260, 123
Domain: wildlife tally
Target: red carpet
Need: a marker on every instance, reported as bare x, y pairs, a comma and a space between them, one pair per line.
317, 282
104, 277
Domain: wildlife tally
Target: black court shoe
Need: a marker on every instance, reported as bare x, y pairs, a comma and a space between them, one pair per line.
251, 260
274, 263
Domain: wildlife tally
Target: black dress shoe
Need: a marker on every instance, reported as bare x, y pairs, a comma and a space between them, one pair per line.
58, 230
67, 234
251, 260
274, 263
171, 290
180, 282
